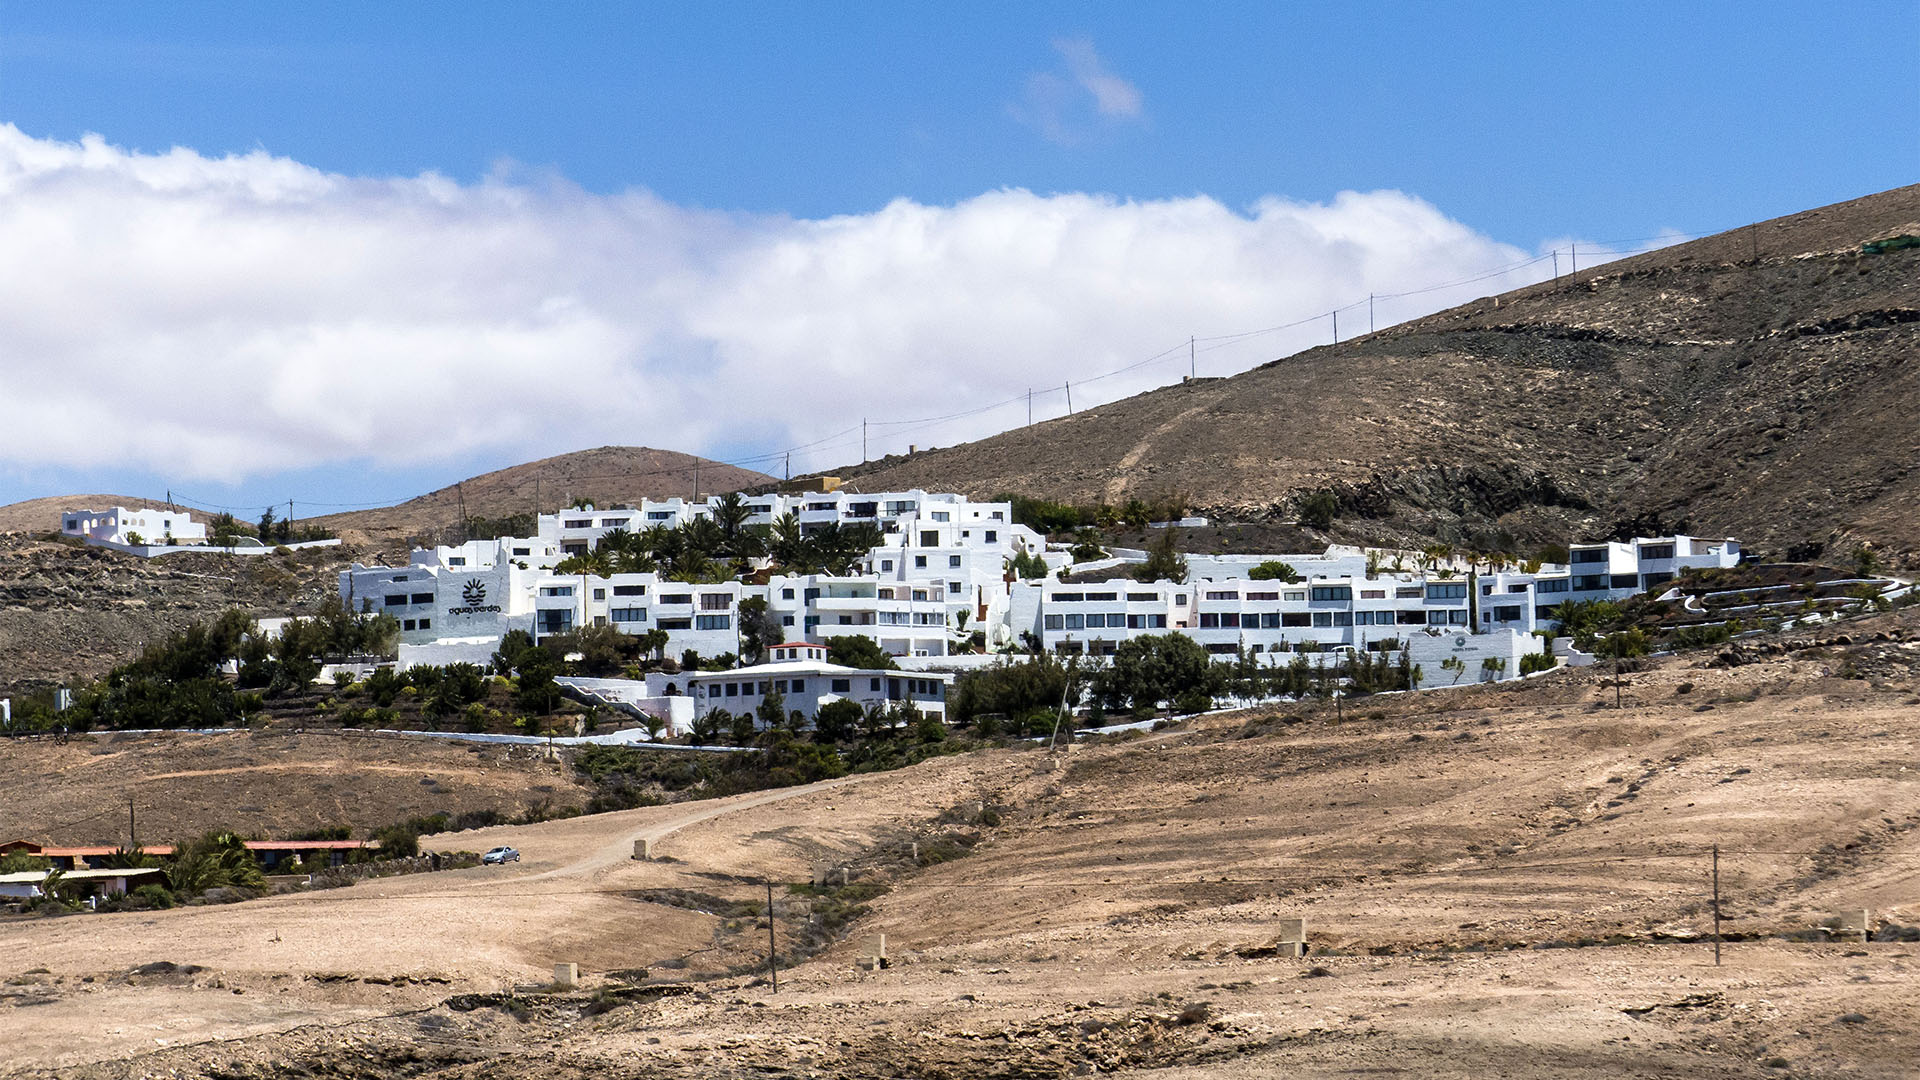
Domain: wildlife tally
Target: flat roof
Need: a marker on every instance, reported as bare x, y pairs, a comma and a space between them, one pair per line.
35, 877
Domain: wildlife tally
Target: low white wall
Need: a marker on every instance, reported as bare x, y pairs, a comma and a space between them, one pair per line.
154, 551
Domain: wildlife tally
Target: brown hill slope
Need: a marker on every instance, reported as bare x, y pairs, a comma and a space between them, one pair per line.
1758, 383
43, 515
608, 475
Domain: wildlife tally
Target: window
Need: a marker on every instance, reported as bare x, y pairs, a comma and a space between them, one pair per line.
1263, 596
953, 588
1180, 600
457, 561
786, 620
875, 685
733, 689
930, 538
715, 601
1590, 582
942, 515
1406, 592
1486, 590
522, 551
1626, 581
1333, 592
1076, 622
919, 562
406, 624
556, 590
1507, 613
1589, 555
1343, 618
1558, 584
886, 564
1269, 620
1518, 586
674, 624
1410, 618
1068, 597
1456, 591
555, 620
799, 686
613, 523
1648, 581
1209, 620
993, 536
1142, 597
919, 594
426, 624
1373, 594
1323, 618
1436, 618
1657, 551
786, 594
629, 590
396, 600
1543, 611
1295, 618
713, 622
1301, 594
628, 614
676, 598
1229, 596
1102, 597
953, 560
579, 523
599, 594
780, 685
423, 598
811, 595
842, 686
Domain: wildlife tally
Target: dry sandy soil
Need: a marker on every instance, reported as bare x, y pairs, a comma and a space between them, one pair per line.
270, 784
1496, 881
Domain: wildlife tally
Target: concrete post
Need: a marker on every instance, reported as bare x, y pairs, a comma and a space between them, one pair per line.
1856, 921
566, 976
643, 849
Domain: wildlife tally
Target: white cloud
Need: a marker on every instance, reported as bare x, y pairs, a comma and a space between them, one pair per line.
1112, 95
232, 317
1069, 108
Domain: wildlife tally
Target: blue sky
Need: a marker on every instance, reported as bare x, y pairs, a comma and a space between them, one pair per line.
750, 128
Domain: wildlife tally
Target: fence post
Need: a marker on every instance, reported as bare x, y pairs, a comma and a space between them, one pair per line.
1716, 905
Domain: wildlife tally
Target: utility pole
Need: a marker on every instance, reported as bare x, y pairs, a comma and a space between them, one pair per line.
1616, 684
789, 464
863, 438
1573, 252
1193, 366
460, 489
1556, 264
1369, 313
1336, 327
1716, 905
773, 967
133, 834
1069, 388
1029, 406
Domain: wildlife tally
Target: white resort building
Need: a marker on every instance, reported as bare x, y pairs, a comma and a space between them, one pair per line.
940, 582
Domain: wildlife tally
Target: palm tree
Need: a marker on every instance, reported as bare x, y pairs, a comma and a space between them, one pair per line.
730, 512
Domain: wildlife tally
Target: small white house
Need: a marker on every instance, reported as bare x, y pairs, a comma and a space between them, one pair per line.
800, 674
144, 526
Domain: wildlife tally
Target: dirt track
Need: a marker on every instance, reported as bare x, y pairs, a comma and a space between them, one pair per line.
1492, 879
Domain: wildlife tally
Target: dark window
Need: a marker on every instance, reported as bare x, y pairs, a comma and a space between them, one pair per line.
1590, 582
396, 599
1558, 584
713, 622
1626, 581
1657, 551
1053, 622
676, 598
1507, 614
1295, 618
1519, 586
629, 590
1455, 591
1230, 618
843, 686
406, 624
1648, 581
1410, 618
628, 614
1323, 618
1589, 555
1209, 620
1332, 592
674, 624
426, 624
1343, 618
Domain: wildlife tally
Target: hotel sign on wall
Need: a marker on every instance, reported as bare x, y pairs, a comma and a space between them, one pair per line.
473, 596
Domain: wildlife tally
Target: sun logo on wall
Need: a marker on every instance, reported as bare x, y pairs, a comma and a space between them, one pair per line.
474, 592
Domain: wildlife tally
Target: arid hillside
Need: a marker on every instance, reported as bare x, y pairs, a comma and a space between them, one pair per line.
609, 474
70, 612
1511, 880
1758, 383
